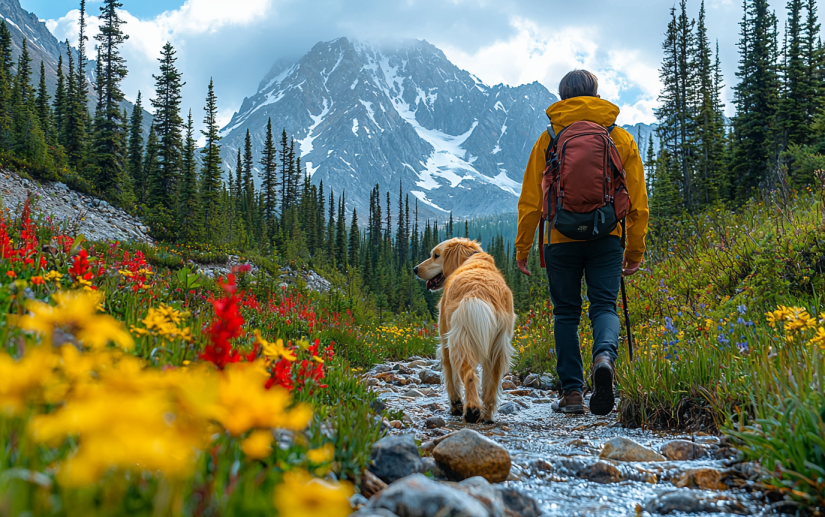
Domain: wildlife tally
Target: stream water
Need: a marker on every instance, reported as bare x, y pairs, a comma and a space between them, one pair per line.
553, 454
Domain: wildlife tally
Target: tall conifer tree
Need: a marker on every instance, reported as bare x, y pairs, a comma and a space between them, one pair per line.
211, 170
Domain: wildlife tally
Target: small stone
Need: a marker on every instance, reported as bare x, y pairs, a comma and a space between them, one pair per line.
418, 496
601, 472
682, 450
509, 408
689, 501
706, 478
381, 368
625, 449
400, 368
531, 381
466, 454
546, 382
544, 401
358, 500
394, 457
725, 453
412, 394
432, 468
418, 363
519, 393
396, 424
373, 382
434, 422
429, 377
521, 403
508, 385
434, 407
483, 492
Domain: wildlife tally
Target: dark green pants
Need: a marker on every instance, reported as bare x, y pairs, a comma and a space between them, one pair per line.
600, 262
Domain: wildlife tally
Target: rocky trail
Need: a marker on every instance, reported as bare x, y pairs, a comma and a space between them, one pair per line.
535, 462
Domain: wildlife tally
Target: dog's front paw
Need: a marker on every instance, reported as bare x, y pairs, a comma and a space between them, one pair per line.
472, 415
456, 408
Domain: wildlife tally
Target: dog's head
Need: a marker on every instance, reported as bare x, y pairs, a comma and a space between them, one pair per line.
444, 260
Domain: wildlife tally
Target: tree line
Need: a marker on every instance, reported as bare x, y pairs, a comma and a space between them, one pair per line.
777, 137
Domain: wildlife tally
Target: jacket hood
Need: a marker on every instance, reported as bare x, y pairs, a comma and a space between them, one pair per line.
592, 109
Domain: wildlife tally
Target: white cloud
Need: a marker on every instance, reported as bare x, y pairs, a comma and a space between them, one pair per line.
545, 54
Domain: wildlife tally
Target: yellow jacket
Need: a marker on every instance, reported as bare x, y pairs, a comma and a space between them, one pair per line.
564, 113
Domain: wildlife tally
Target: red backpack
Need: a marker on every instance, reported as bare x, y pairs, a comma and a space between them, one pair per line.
584, 183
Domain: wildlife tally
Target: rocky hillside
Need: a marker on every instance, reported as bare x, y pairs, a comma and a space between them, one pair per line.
398, 115
96, 219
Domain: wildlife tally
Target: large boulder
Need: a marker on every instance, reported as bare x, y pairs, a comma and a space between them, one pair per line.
395, 457
466, 454
419, 496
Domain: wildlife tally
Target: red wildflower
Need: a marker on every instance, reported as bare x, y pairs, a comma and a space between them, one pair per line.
225, 327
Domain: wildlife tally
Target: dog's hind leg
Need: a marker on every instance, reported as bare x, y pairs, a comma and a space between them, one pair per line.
472, 328
496, 365
447, 373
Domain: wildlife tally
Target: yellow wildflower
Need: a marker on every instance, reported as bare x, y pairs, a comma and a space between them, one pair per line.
322, 454
126, 273
246, 404
258, 445
53, 276
163, 322
26, 380
75, 312
301, 495
275, 350
819, 338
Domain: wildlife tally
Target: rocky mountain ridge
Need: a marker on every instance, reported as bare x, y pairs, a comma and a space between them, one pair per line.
398, 115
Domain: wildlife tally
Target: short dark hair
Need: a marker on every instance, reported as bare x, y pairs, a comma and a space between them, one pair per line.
578, 83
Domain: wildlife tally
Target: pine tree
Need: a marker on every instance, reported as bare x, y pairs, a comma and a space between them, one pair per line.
43, 109
29, 141
756, 95
154, 189
211, 170
134, 157
792, 112
109, 153
341, 236
269, 180
248, 184
78, 113
169, 125
354, 241
60, 100
6, 48
331, 229
814, 63
189, 211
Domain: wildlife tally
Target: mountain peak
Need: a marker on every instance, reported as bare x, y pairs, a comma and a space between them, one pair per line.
398, 114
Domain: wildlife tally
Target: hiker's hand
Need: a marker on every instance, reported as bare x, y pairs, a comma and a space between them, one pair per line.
630, 268
522, 266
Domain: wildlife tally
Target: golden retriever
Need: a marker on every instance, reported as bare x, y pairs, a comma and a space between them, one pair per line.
476, 322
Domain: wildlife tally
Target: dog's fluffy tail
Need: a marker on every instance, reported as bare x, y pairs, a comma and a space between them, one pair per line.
473, 328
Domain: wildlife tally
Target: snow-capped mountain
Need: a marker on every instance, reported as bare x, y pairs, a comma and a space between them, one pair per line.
404, 115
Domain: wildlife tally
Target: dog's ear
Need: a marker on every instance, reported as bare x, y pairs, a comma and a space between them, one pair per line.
456, 252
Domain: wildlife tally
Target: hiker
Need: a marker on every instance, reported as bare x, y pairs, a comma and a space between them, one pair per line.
600, 255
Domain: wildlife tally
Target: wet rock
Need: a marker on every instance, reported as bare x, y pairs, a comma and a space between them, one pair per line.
546, 382
370, 484
521, 403
418, 363
508, 385
725, 453
466, 454
381, 368
380, 512
531, 381
400, 368
434, 407
601, 472
429, 377
682, 450
373, 382
625, 449
418, 496
519, 393
357, 500
431, 467
482, 491
378, 406
706, 478
412, 394
395, 457
517, 504
690, 501
509, 408
434, 422
543, 401
396, 424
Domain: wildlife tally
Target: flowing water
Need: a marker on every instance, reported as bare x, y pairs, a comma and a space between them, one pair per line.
551, 452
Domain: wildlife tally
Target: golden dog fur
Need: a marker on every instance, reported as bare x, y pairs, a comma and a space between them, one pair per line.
476, 323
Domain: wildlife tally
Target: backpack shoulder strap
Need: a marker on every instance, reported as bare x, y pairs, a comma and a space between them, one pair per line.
610, 128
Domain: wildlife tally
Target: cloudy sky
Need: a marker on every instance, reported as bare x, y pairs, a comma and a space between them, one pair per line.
500, 41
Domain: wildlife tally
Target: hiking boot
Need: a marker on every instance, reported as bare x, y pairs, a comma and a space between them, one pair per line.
570, 403
602, 400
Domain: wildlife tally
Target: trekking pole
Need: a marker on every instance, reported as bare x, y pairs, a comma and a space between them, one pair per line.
624, 297
627, 321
